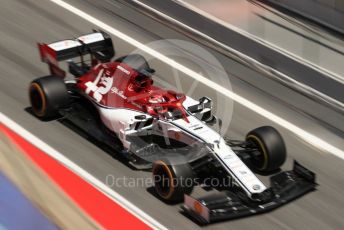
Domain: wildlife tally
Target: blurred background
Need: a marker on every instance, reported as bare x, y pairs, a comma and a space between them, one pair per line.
285, 56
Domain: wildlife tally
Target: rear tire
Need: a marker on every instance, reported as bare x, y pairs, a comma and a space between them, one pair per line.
271, 147
171, 181
47, 95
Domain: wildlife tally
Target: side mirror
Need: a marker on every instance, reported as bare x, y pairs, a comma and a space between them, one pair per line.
204, 103
142, 121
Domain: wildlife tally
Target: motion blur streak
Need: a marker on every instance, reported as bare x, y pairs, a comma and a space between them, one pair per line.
306, 136
81, 172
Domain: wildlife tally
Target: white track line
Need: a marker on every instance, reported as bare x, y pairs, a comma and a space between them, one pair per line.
287, 53
116, 197
308, 137
252, 61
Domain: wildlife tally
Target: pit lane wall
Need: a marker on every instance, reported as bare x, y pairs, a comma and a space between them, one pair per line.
302, 78
329, 13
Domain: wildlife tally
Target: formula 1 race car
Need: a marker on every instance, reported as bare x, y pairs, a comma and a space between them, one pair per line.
168, 132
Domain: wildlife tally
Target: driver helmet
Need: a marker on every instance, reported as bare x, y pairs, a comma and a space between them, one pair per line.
157, 98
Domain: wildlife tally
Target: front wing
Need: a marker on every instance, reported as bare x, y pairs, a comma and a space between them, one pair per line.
285, 187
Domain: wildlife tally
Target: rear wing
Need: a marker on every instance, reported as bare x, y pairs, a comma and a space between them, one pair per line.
98, 45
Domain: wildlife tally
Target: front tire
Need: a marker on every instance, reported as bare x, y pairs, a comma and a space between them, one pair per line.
172, 181
47, 95
271, 147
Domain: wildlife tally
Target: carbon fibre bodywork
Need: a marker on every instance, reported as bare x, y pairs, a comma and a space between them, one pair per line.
285, 187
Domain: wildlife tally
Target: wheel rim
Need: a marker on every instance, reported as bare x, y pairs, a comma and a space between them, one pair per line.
37, 99
163, 180
261, 162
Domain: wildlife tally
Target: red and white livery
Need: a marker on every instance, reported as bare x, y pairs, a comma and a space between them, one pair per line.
166, 130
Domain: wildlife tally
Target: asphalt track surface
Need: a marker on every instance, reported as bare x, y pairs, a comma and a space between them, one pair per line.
24, 22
